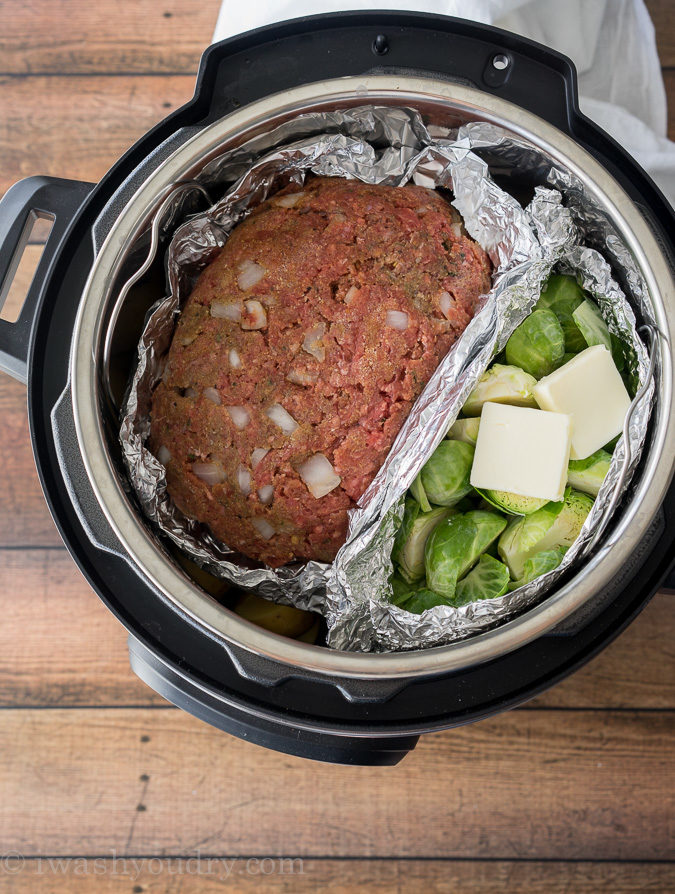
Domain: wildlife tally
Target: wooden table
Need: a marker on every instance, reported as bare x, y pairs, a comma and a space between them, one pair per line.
106, 788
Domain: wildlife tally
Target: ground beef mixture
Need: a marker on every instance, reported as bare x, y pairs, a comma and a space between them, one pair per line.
299, 354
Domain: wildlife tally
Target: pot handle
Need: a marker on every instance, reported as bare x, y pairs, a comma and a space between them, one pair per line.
50, 198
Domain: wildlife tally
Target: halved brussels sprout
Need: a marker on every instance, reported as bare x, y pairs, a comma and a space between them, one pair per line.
487, 580
445, 477
456, 545
538, 344
591, 325
465, 430
539, 564
423, 599
512, 504
411, 538
555, 524
588, 474
503, 385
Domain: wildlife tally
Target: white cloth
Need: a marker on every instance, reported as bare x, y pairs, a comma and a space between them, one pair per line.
611, 43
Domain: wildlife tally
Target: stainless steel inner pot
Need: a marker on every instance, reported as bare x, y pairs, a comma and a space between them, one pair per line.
440, 102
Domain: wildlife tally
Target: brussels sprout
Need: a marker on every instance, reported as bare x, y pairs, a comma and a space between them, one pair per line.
445, 477
423, 599
591, 325
411, 537
417, 491
311, 635
401, 590
539, 564
563, 295
282, 619
502, 385
456, 545
588, 474
487, 580
610, 446
555, 524
561, 288
465, 430
512, 504
537, 344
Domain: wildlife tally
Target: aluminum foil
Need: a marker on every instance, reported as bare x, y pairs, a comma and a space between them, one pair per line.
392, 146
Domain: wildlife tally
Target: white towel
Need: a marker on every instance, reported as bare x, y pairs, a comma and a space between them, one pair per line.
611, 42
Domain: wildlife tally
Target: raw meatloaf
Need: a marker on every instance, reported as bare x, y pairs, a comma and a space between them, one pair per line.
299, 354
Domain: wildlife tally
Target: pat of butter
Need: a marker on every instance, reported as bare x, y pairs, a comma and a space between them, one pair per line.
522, 451
590, 389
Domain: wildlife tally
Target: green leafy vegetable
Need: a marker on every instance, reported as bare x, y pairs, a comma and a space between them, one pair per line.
487, 580
504, 385
465, 430
588, 474
445, 477
563, 295
538, 564
401, 590
418, 492
456, 545
538, 344
411, 538
512, 504
591, 325
556, 524
423, 599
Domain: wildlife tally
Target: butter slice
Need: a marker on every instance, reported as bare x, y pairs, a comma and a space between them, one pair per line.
522, 451
589, 389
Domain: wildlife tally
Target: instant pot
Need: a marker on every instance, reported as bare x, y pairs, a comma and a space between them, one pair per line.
308, 700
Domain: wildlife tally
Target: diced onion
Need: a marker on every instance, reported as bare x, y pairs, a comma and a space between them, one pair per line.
456, 230
263, 527
255, 316
319, 475
250, 273
164, 455
312, 342
189, 392
352, 292
302, 377
240, 416
188, 339
212, 395
244, 480
234, 358
397, 319
446, 301
289, 200
209, 473
282, 418
266, 493
259, 455
230, 310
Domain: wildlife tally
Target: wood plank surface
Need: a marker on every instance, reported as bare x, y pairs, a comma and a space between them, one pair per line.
41, 591
146, 36
297, 875
78, 127
582, 785
24, 517
662, 13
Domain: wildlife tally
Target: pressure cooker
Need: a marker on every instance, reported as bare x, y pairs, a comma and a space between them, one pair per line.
303, 699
